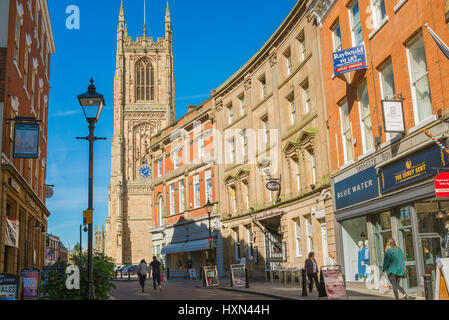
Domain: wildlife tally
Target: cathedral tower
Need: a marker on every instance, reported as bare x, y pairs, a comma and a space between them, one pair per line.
144, 103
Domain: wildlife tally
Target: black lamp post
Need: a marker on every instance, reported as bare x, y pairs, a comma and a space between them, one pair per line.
92, 103
209, 211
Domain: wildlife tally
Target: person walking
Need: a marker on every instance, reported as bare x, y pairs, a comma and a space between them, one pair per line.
312, 271
394, 267
156, 268
142, 273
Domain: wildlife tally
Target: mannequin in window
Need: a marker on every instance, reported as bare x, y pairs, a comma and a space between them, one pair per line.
446, 239
361, 260
366, 260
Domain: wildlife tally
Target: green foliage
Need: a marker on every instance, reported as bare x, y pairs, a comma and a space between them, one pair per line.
103, 269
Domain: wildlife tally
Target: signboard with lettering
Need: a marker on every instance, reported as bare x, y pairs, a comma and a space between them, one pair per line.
30, 283
414, 168
9, 286
442, 185
355, 189
26, 140
393, 116
349, 60
211, 276
334, 282
273, 185
267, 215
238, 275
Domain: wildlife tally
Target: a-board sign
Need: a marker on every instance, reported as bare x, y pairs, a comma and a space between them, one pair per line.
30, 283
442, 279
9, 286
238, 275
334, 282
211, 276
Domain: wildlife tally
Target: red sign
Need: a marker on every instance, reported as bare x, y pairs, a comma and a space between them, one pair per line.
334, 283
442, 185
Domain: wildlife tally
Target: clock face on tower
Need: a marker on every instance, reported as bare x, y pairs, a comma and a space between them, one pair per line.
145, 172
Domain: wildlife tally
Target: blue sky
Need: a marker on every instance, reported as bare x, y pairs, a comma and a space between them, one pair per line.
211, 40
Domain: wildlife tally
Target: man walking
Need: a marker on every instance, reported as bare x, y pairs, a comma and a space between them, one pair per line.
156, 268
312, 271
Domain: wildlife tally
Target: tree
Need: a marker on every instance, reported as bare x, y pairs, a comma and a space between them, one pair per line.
77, 247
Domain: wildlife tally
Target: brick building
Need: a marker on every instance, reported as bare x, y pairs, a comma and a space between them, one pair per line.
55, 250
26, 44
382, 182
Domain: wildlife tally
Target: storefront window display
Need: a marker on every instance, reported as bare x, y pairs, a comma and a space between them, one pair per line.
405, 242
355, 249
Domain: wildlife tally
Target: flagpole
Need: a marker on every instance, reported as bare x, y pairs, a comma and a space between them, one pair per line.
436, 36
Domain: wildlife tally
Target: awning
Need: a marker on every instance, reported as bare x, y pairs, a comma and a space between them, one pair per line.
196, 245
173, 248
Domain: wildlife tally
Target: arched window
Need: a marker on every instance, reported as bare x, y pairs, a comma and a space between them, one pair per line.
144, 80
160, 211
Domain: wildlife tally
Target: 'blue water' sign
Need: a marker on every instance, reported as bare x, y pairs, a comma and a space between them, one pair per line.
349, 60
355, 189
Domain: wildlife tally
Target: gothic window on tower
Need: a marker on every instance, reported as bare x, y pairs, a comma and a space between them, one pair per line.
144, 80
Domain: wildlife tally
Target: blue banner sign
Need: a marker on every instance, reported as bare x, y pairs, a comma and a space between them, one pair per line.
349, 60
413, 168
355, 189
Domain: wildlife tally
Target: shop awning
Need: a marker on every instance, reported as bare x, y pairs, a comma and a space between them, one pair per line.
196, 245
173, 248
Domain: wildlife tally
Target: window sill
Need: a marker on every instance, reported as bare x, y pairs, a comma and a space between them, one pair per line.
346, 165
366, 154
392, 140
399, 5
423, 124
382, 23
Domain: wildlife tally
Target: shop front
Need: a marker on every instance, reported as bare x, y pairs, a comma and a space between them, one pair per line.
392, 195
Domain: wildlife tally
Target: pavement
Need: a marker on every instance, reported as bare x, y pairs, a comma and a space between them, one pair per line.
180, 289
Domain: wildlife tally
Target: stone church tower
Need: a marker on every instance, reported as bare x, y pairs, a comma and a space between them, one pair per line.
144, 103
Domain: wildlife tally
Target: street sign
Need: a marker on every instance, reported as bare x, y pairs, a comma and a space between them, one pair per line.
87, 216
442, 185
273, 185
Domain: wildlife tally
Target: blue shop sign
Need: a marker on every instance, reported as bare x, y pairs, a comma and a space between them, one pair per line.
349, 60
413, 168
355, 189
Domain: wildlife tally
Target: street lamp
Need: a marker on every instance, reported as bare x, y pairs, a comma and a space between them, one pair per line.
92, 103
209, 207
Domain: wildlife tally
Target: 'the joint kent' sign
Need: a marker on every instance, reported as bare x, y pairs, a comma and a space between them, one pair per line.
349, 60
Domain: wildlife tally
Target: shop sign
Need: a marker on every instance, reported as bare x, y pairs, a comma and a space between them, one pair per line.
30, 283
357, 188
273, 185
349, 60
9, 286
211, 276
334, 283
238, 275
12, 232
442, 185
26, 140
267, 215
393, 116
414, 168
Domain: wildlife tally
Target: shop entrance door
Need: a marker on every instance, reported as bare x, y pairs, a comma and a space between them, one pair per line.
274, 248
431, 249
405, 235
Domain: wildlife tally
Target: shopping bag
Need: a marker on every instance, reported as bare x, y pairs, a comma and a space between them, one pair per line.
369, 282
384, 285
162, 277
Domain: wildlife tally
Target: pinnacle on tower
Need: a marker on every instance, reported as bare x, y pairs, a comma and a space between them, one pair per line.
144, 19
121, 16
167, 13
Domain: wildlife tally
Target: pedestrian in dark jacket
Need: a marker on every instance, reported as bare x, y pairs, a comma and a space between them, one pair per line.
312, 270
156, 268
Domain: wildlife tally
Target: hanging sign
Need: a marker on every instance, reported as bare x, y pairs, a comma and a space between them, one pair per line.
393, 116
211, 276
273, 185
12, 232
9, 286
334, 282
26, 140
238, 275
442, 185
48, 192
349, 60
30, 283
87, 216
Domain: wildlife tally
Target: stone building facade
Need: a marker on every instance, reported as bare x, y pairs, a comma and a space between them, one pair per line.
144, 87
272, 118
26, 45
99, 243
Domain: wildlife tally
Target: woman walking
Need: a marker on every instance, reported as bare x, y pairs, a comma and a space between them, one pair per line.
142, 272
394, 266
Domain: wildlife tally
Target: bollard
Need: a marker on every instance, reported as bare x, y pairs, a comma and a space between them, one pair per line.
115, 275
168, 273
129, 274
304, 282
246, 278
121, 273
204, 277
428, 286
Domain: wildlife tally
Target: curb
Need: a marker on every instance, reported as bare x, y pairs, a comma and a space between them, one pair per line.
270, 295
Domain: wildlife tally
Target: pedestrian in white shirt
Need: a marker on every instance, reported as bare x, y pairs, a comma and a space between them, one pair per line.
142, 271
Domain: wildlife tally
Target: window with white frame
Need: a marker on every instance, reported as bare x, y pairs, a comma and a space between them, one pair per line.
365, 118
288, 61
302, 46
245, 143
25, 67
175, 159
346, 131
196, 191
236, 244
160, 211
233, 192
356, 25
201, 146
230, 114
336, 37
181, 196
297, 175
208, 176
159, 168
306, 96
266, 129
172, 198
379, 13
298, 238
313, 166
17, 40
242, 104
422, 105
231, 142
250, 242
387, 81
263, 86
246, 193
33, 89
291, 103
309, 233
